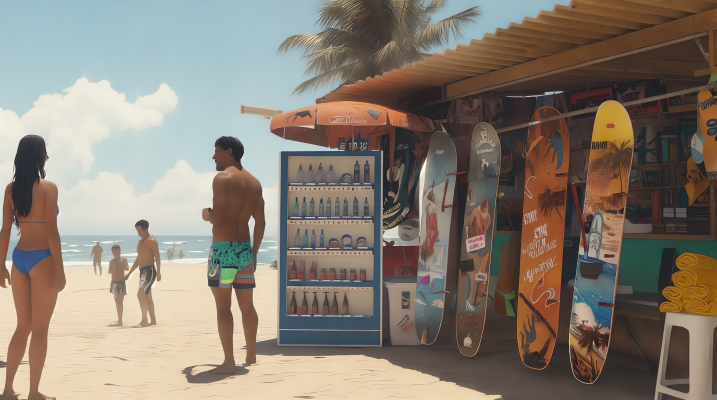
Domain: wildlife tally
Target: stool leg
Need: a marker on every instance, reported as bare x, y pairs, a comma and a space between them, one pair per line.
662, 369
701, 336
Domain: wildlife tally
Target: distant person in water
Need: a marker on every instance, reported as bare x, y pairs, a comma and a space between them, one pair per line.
237, 198
118, 286
37, 270
169, 256
181, 253
147, 255
97, 257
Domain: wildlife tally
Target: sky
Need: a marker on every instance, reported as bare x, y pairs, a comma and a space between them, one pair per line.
131, 95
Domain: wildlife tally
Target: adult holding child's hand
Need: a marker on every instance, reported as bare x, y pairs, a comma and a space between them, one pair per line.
38, 273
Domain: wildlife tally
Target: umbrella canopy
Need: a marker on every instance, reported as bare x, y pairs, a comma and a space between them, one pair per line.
326, 124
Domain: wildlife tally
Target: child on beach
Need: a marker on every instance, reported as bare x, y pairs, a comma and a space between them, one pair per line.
118, 288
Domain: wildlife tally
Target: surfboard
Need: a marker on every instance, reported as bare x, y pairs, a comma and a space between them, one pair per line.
541, 257
437, 203
707, 120
602, 219
477, 242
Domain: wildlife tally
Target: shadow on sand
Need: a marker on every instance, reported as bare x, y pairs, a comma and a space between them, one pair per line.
496, 369
208, 377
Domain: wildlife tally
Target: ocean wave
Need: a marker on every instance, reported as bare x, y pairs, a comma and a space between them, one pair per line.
263, 251
272, 247
196, 251
111, 241
71, 251
73, 245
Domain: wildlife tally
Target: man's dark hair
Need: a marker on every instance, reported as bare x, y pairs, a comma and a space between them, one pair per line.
144, 224
115, 246
230, 142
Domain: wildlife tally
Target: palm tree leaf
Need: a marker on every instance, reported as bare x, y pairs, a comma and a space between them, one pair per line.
439, 33
433, 7
309, 43
335, 75
324, 60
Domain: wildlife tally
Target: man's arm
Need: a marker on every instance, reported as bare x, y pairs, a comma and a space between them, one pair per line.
219, 202
5, 234
112, 267
134, 266
259, 225
93, 251
157, 258
126, 264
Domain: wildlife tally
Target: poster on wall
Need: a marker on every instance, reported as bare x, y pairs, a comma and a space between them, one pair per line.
625, 92
470, 107
493, 111
589, 98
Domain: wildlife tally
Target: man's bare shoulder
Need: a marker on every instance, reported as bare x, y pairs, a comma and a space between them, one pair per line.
251, 180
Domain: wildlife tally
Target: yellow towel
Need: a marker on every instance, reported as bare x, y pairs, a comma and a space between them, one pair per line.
674, 294
697, 183
670, 306
694, 276
700, 307
702, 292
692, 260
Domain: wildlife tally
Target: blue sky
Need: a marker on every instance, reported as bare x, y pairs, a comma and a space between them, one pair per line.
213, 56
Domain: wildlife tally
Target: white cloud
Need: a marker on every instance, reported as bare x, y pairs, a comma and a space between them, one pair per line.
109, 204
73, 121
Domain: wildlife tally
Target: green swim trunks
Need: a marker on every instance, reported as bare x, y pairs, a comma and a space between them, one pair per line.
231, 264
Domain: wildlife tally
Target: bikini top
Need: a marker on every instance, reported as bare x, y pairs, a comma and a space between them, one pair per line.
38, 222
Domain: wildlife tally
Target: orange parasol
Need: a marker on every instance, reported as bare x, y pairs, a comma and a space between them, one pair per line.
331, 124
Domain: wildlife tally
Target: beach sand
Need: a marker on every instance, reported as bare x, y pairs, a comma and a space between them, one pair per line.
88, 359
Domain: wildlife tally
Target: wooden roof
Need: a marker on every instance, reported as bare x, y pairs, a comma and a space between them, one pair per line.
560, 50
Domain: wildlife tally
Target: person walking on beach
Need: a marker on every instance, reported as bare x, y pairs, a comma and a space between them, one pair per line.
97, 257
147, 255
38, 273
118, 287
237, 198
181, 253
169, 256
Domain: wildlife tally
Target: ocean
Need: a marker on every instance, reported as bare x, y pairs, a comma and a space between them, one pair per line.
76, 250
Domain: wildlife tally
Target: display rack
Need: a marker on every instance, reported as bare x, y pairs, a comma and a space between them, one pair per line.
361, 326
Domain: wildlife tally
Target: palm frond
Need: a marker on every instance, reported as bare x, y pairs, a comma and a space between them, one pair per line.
326, 78
394, 56
438, 34
309, 43
324, 60
433, 7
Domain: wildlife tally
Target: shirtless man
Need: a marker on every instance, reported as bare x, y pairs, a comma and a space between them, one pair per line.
118, 287
97, 257
147, 255
237, 197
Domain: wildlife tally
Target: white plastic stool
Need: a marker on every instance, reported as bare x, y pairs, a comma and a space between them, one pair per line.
701, 329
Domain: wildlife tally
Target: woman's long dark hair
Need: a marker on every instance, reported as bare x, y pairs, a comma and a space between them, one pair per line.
29, 168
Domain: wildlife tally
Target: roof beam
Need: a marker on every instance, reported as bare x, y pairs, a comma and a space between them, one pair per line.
535, 24
622, 5
471, 57
570, 13
533, 32
601, 11
593, 26
690, 6
640, 41
522, 52
482, 53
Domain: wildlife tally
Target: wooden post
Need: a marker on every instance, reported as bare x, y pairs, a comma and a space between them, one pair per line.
712, 50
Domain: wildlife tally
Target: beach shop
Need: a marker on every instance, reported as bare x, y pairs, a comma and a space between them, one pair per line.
652, 56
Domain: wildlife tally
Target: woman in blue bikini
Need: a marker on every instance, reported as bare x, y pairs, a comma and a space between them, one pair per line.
37, 273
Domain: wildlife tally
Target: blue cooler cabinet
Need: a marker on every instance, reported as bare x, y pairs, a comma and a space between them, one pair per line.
362, 325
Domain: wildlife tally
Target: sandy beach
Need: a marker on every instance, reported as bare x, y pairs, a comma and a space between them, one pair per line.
88, 359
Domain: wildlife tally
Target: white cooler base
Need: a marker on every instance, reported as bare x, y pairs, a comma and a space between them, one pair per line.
401, 302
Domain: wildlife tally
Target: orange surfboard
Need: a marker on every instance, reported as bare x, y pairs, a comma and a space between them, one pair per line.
541, 255
707, 118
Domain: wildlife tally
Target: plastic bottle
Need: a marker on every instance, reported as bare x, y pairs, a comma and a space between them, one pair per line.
337, 210
303, 207
328, 206
325, 308
305, 242
313, 238
320, 174
310, 177
297, 239
365, 207
311, 207
366, 173
335, 305
355, 207
321, 207
296, 207
346, 207
357, 172
330, 176
321, 239
292, 305
345, 308
300, 175
304, 306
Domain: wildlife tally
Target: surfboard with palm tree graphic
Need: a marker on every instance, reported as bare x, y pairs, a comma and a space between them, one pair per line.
541, 256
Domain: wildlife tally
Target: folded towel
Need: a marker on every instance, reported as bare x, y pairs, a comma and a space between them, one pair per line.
702, 292
694, 276
693, 260
699, 307
674, 294
670, 306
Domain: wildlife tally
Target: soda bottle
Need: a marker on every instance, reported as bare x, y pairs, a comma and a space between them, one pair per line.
292, 270
366, 173
292, 305
328, 207
305, 242
330, 176
304, 306
311, 207
321, 207
296, 207
346, 207
325, 307
313, 238
357, 170
302, 270
303, 207
320, 174
314, 306
300, 175
335, 305
355, 207
312, 270
337, 211
310, 177
321, 239
345, 308
297, 239
365, 207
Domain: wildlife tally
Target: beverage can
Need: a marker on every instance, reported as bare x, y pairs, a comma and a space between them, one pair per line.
352, 274
363, 274
343, 274
332, 273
